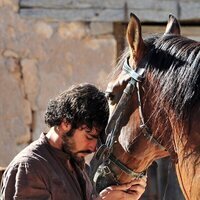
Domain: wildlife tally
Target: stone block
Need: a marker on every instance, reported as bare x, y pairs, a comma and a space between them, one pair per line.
76, 30
13, 4
99, 28
191, 6
11, 115
44, 29
10, 53
31, 80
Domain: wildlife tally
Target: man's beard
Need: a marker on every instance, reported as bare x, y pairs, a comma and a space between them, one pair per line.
68, 145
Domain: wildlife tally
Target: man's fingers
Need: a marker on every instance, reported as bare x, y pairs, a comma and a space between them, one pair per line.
103, 192
133, 184
128, 191
136, 188
144, 178
123, 187
138, 184
142, 181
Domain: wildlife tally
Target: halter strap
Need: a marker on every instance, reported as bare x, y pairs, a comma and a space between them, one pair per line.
137, 77
104, 152
125, 169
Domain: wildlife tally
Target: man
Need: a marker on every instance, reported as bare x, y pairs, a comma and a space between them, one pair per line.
52, 167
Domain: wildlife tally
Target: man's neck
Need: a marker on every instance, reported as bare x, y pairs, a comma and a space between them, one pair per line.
54, 138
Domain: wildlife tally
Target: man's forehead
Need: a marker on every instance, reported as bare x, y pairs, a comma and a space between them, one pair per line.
94, 129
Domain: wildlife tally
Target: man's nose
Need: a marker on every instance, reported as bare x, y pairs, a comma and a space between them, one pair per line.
93, 145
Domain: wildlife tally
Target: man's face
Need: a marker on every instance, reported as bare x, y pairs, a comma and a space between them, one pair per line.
82, 142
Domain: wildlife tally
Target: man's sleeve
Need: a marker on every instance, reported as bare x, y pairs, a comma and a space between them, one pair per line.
23, 182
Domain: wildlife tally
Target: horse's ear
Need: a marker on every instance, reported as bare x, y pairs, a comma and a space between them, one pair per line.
134, 36
173, 26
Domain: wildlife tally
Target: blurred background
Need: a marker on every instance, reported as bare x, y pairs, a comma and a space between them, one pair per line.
48, 45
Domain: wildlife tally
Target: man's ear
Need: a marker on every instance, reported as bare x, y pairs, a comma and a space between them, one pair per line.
65, 126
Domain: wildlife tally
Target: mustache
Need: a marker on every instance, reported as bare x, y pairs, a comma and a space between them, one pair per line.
85, 151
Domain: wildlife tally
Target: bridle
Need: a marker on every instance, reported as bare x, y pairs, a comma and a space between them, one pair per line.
104, 154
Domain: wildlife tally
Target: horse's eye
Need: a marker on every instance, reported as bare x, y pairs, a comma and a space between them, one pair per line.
109, 96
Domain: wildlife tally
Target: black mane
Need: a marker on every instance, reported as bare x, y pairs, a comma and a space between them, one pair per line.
174, 64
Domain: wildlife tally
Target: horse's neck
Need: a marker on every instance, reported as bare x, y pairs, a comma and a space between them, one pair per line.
188, 170
188, 166
186, 142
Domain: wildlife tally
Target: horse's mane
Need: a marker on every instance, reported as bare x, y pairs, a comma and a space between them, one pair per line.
174, 64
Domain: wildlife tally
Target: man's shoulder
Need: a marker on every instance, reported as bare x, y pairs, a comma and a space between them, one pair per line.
35, 154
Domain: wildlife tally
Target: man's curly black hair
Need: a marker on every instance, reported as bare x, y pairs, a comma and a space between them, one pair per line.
80, 104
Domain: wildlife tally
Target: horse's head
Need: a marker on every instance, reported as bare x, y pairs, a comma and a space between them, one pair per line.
133, 144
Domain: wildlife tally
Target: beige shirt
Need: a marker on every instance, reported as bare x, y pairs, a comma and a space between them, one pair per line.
40, 172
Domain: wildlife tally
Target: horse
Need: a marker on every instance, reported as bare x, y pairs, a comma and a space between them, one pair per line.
154, 102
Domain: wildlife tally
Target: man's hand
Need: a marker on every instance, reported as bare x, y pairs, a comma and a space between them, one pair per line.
128, 191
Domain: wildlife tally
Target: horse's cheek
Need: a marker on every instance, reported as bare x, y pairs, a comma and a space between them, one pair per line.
125, 138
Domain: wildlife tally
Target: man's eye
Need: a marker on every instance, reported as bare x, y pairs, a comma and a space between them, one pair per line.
89, 137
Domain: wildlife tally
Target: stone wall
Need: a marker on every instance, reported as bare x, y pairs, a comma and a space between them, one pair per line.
110, 10
38, 60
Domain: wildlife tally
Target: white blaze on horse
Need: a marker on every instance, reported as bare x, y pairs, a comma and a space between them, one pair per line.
154, 99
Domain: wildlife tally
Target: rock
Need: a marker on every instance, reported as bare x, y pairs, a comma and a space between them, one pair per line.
76, 30
31, 80
44, 29
98, 28
10, 53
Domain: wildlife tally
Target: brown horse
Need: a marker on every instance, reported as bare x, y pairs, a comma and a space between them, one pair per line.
161, 116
